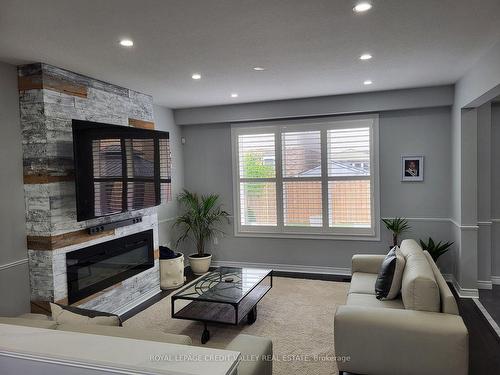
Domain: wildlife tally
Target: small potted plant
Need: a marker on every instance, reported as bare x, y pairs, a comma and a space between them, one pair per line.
435, 249
397, 226
199, 223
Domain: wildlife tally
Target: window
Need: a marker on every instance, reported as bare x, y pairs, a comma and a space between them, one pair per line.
307, 178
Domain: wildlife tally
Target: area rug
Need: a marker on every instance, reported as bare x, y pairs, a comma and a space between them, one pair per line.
297, 314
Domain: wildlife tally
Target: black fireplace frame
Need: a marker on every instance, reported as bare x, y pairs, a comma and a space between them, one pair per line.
89, 255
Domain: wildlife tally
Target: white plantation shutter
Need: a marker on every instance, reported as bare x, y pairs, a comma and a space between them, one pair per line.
257, 185
302, 199
314, 178
349, 203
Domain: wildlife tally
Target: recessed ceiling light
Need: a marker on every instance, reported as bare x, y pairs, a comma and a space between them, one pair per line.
367, 82
234, 95
126, 43
362, 7
196, 76
365, 56
259, 68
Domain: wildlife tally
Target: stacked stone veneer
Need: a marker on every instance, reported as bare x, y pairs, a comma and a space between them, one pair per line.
50, 98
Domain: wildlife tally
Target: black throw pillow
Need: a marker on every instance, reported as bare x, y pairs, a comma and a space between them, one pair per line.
388, 282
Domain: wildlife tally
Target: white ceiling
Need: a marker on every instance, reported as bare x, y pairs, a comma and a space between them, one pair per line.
309, 47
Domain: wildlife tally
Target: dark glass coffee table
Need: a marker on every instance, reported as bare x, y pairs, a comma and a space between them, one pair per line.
226, 295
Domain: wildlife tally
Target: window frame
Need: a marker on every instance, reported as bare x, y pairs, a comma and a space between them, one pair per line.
323, 125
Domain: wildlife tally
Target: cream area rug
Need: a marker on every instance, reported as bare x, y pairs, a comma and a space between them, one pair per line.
297, 314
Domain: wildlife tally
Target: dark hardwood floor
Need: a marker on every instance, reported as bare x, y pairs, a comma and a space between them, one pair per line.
491, 301
484, 344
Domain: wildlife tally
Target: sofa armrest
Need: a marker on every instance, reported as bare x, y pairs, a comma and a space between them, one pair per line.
393, 341
369, 263
126, 332
256, 354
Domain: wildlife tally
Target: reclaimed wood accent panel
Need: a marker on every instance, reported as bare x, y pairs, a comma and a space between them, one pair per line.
63, 301
51, 83
141, 124
45, 179
40, 307
157, 254
49, 243
30, 83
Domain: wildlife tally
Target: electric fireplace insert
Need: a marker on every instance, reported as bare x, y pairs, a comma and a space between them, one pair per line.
97, 267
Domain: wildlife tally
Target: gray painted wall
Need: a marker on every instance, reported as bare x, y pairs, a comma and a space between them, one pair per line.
377, 101
495, 189
14, 281
478, 86
207, 157
164, 120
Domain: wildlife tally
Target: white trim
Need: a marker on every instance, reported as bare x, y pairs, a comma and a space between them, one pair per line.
287, 267
484, 223
495, 280
464, 227
462, 292
308, 236
321, 125
13, 264
484, 284
487, 316
143, 298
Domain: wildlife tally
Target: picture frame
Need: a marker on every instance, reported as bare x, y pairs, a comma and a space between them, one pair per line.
412, 168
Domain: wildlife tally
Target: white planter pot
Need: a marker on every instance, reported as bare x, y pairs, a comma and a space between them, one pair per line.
200, 265
172, 272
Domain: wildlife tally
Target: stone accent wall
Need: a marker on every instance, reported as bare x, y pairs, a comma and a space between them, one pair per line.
50, 98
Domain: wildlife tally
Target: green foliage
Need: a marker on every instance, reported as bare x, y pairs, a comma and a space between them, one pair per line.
200, 220
254, 167
397, 226
435, 249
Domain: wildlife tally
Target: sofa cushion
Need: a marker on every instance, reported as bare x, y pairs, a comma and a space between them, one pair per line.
369, 300
62, 315
38, 323
448, 302
362, 282
419, 288
130, 333
388, 284
256, 354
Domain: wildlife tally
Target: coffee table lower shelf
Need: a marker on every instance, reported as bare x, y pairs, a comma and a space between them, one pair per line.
221, 312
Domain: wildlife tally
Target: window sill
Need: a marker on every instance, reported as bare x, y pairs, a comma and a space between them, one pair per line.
310, 236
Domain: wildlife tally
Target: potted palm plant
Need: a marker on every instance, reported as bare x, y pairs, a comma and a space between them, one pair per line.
397, 226
435, 249
199, 224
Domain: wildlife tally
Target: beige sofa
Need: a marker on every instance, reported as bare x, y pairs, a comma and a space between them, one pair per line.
421, 332
255, 350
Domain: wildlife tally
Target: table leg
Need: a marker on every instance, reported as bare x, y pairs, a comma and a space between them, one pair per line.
205, 336
252, 315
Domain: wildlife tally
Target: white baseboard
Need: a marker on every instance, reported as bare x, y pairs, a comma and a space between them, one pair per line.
484, 284
495, 280
462, 292
288, 267
129, 306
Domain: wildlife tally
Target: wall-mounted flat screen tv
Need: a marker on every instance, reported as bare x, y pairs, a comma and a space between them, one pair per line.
119, 168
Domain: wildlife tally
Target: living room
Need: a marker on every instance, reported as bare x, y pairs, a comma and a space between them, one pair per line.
253, 187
